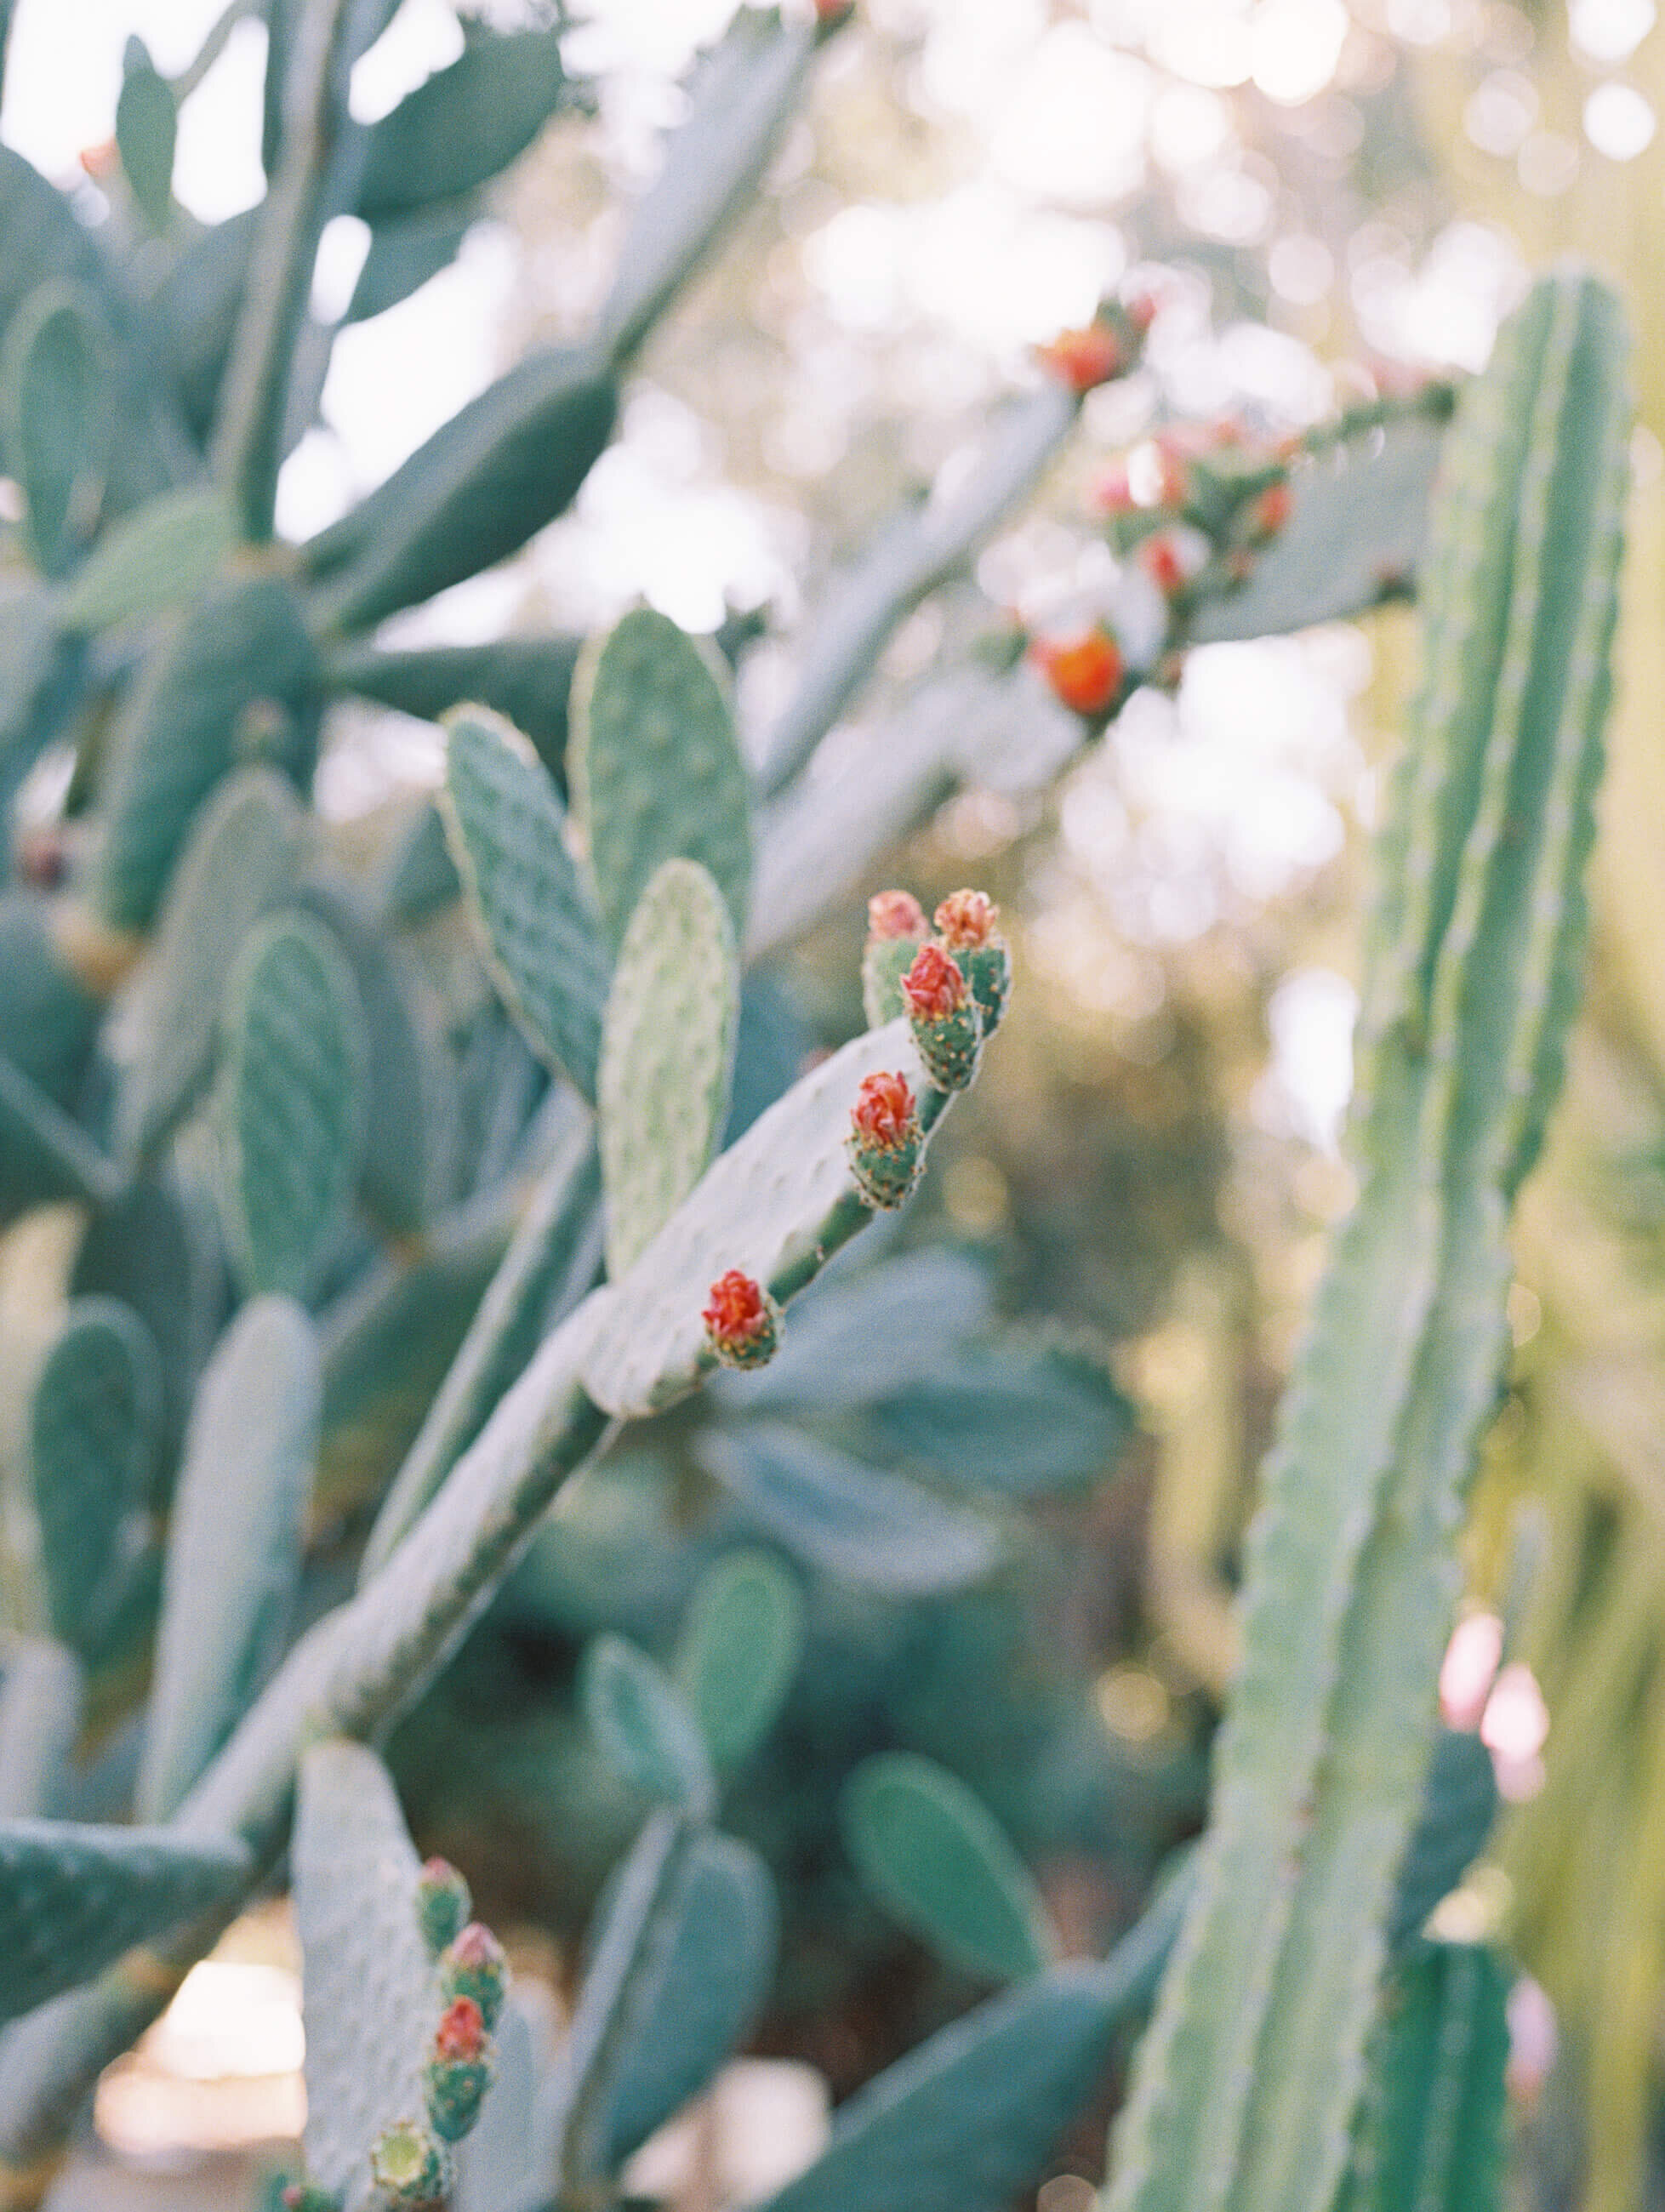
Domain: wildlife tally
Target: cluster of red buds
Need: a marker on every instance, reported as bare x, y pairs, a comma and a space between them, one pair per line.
1190, 509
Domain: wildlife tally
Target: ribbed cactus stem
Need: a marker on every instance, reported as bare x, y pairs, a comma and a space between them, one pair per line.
1351, 1574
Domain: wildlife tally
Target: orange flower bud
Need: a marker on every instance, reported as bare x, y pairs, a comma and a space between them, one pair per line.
1085, 673
1083, 358
966, 919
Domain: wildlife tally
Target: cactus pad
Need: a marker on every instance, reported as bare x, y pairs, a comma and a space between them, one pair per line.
642, 1727
368, 1985
241, 857
288, 1105
73, 1897
940, 1863
95, 1428
656, 767
667, 1053
234, 1552
505, 830
738, 1650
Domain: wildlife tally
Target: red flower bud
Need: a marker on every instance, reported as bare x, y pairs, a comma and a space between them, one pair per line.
1159, 556
742, 1322
1271, 511
885, 1114
1084, 358
461, 2033
886, 1144
894, 914
1085, 673
934, 986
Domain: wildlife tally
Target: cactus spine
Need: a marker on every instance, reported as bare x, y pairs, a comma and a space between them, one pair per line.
1350, 1583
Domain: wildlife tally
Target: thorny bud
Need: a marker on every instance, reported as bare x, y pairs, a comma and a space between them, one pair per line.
410, 2164
461, 2033
894, 914
443, 1905
742, 1322
886, 1144
968, 924
966, 919
934, 986
947, 1027
896, 925
1086, 672
474, 1966
458, 2071
308, 2197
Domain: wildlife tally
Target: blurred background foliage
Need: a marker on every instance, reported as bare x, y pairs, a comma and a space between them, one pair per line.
1333, 198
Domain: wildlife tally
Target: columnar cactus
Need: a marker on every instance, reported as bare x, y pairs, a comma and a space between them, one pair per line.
1474, 963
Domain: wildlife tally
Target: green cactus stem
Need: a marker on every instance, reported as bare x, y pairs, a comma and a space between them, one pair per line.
1472, 976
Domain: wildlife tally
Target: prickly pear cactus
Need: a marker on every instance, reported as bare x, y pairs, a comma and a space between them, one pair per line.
381, 1187
400, 2002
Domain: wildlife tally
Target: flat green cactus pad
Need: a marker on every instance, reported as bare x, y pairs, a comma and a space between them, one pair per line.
506, 829
241, 856
936, 1859
369, 1990
667, 1055
859, 1523
642, 1726
233, 682
712, 1976
964, 2121
73, 1898
95, 1428
55, 379
741, 1641
288, 1104
234, 1550
160, 556
656, 767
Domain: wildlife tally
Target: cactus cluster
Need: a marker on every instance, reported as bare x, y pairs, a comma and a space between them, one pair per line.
382, 1199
